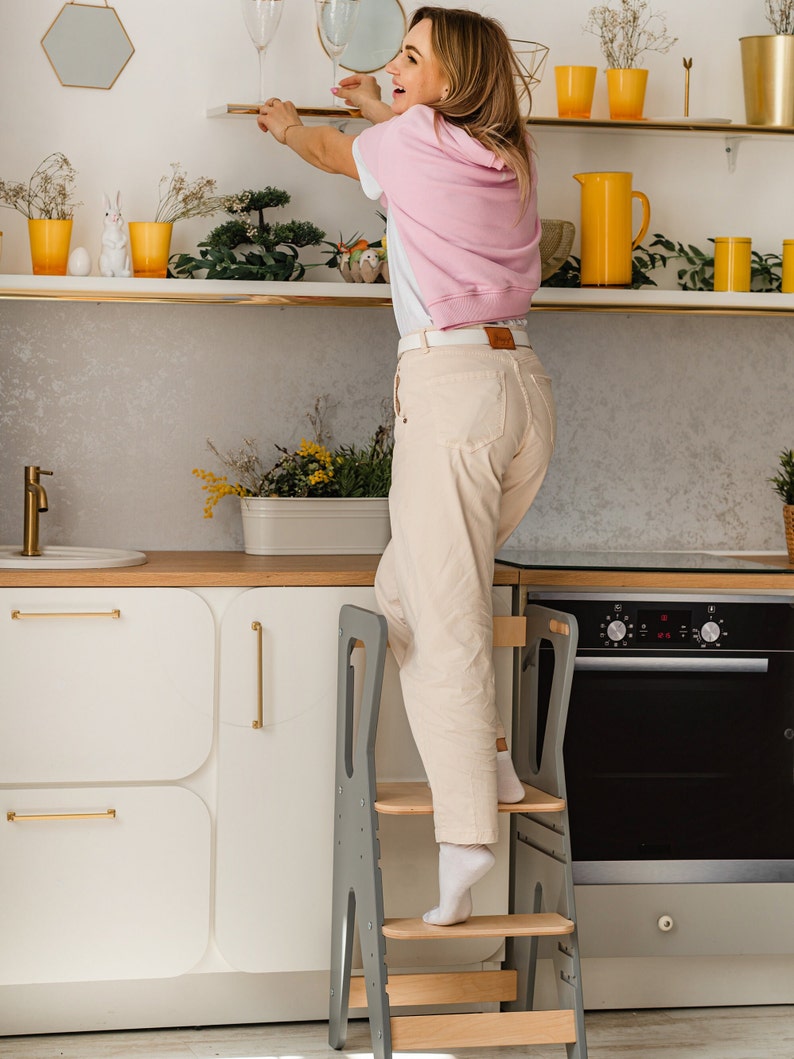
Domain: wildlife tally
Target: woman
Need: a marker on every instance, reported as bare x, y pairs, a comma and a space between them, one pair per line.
474, 428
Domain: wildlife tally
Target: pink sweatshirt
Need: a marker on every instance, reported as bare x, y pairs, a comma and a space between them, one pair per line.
457, 209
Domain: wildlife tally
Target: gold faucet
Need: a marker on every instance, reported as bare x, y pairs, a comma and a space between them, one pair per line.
35, 501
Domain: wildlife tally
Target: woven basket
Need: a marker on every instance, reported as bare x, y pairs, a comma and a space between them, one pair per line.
556, 241
788, 522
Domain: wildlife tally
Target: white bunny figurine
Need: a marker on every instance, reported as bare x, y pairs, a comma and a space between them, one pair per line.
114, 258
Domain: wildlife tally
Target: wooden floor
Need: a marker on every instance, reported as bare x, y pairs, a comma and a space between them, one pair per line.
691, 1033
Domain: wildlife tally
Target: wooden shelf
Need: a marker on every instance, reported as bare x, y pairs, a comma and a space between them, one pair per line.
668, 124
684, 125
192, 291
375, 295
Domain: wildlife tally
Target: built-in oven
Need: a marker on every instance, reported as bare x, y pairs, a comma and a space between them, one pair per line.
679, 748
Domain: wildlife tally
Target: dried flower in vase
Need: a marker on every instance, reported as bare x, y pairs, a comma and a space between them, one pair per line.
180, 198
628, 29
48, 193
780, 16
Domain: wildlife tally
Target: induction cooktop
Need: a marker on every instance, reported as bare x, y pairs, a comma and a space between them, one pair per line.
702, 562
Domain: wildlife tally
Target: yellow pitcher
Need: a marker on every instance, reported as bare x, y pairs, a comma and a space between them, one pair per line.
606, 226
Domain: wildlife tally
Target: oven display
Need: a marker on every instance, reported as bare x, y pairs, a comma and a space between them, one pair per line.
664, 626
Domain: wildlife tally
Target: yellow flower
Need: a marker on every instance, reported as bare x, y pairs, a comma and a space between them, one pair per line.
216, 488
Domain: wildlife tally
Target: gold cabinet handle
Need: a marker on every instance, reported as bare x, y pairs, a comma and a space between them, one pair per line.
260, 691
19, 615
110, 814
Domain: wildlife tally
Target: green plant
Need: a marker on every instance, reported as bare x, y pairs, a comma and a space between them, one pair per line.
270, 250
780, 15
783, 483
179, 198
48, 193
311, 470
696, 272
628, 29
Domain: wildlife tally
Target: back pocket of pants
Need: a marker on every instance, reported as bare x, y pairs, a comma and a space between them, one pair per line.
468, 409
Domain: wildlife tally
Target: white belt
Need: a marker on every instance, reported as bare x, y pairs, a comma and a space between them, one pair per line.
495, 337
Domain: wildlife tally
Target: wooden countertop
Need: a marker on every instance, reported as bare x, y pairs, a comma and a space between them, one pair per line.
235, 569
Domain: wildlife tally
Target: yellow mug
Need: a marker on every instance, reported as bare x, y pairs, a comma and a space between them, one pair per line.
732, 257
575, 87
787, 286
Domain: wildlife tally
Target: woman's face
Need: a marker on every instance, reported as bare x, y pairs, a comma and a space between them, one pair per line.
416, 72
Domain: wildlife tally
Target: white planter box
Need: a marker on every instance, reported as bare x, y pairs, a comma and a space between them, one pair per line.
315, 526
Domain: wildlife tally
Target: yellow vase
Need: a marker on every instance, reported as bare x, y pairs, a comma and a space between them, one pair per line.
49, 246
626, 93
575, 86
606, 227
150, 245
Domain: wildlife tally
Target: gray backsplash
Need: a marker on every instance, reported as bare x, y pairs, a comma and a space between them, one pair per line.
668, 425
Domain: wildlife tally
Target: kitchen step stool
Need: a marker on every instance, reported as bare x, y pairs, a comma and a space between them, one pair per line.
541, 886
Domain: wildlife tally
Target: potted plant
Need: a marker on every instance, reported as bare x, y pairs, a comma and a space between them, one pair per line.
313, 499
248, 247
627, 29
47, 202
768, 68
783, 485
178, 199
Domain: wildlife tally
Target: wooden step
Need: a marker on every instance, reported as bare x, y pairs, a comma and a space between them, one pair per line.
508, 631
517, 926
482, 1030
456, 987
406, 799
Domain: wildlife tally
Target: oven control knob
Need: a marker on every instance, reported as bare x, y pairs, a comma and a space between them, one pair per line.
616, 630
710, 632
665, 923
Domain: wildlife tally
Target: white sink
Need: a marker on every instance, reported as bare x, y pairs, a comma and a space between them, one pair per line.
57, 557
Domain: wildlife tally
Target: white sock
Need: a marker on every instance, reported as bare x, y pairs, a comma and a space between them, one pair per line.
459, 868
508, 785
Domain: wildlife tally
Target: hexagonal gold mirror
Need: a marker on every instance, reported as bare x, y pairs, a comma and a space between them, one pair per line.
87, 45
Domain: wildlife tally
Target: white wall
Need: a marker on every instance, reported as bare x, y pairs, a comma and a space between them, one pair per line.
668, 426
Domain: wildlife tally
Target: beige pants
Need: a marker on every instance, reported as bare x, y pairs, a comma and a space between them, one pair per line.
474, 434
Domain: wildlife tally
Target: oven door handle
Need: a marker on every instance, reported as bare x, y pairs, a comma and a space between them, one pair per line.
699, 664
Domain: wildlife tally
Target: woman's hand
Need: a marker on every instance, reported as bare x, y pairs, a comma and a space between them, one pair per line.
276, 116
362, 92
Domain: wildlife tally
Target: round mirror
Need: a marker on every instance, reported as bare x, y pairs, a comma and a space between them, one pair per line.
379, 32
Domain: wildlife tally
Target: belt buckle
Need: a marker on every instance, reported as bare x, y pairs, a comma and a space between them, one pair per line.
500, 338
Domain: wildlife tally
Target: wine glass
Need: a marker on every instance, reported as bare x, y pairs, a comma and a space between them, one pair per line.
261, 19
336, 20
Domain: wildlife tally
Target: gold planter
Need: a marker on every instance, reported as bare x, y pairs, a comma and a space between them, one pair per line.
768, 73
49, 246
788, 523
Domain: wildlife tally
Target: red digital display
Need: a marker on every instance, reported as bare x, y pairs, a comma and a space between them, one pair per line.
664, 626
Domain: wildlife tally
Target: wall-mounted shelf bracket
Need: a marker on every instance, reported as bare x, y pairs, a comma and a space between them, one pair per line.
732, 150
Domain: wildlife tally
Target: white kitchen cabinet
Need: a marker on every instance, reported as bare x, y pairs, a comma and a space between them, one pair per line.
102, 883
275, 783
104, 685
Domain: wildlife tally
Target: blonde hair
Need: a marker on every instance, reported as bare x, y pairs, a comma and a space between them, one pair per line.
480, 65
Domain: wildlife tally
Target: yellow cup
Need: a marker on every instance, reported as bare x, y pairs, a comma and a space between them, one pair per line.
575, 87
787, 286
150, 244
732, 263
49, 246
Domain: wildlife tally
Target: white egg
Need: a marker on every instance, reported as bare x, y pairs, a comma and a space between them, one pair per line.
79, 262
